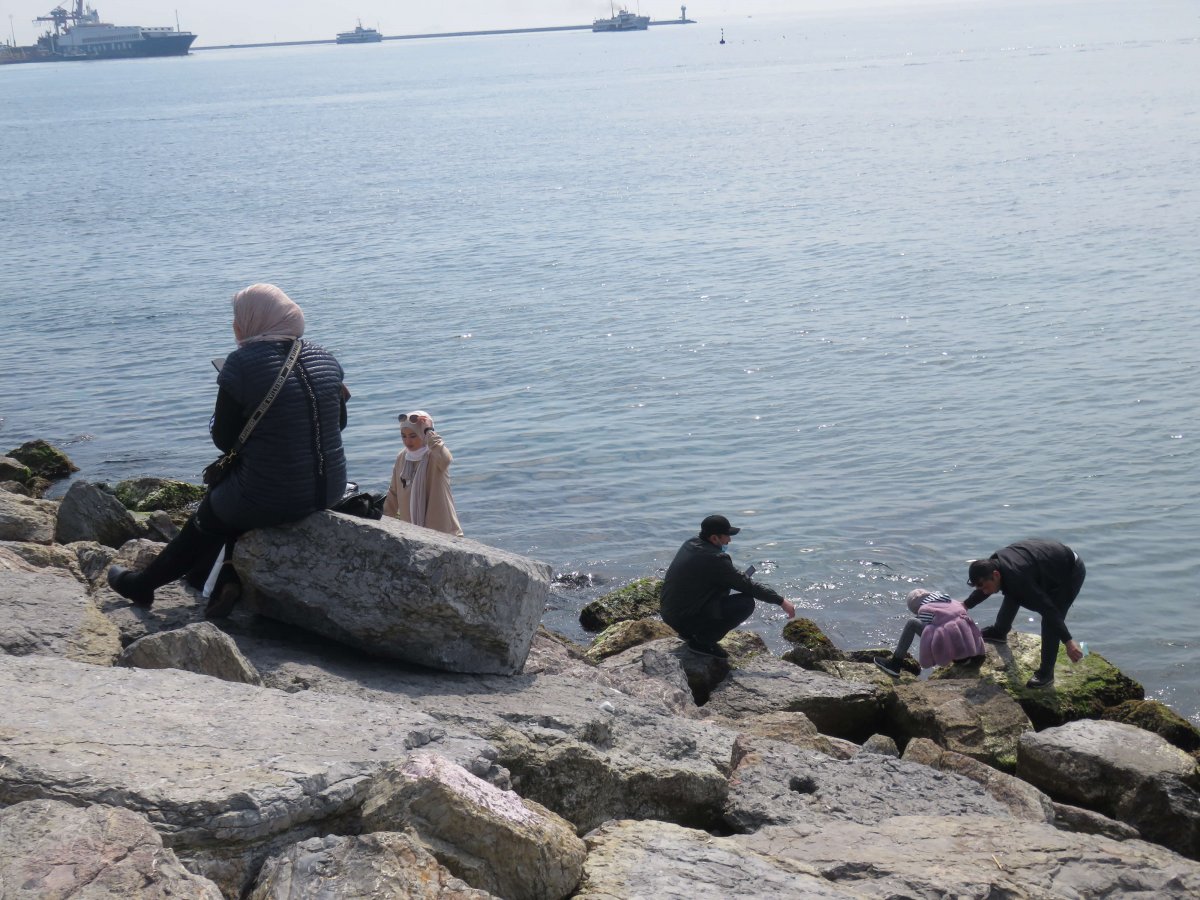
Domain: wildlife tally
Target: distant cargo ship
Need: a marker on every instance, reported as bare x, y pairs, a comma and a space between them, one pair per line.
79, 34
622, 21
359, 35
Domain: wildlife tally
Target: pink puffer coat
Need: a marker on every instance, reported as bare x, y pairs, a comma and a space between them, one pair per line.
951, 635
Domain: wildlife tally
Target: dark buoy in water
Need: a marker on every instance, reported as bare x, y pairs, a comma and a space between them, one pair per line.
722, 35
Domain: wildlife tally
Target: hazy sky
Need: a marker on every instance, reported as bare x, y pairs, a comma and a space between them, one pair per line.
248, 21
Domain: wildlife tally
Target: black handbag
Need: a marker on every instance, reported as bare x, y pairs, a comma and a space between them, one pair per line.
363, 505
220, 468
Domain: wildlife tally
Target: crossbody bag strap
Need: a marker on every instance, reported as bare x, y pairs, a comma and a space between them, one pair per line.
271, 395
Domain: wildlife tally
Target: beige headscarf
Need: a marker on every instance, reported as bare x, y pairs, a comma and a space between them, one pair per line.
263, 312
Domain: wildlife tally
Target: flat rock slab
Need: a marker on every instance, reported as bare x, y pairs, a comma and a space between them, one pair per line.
648, 860
224, 771
54, 851
49, 613
778, 784
399, 591
847, 709
974, 856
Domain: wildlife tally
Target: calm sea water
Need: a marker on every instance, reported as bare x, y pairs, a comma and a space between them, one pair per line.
890, 290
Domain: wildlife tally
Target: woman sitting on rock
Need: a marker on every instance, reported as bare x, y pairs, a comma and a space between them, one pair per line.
292, 462
947, 633
420, 489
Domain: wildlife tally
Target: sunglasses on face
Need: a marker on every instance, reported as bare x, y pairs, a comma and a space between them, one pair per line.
404, 417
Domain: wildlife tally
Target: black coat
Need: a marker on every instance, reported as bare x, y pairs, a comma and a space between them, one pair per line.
701, 574
1035, 574
293, 463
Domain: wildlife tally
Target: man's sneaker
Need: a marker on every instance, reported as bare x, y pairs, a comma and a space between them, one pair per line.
715, 650
1040, 681
992, 636
886, 664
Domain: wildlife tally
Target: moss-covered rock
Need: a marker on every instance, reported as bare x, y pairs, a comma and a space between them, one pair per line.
150, 494
43, 460
810, 645
14, 470
637, 600
1080, 690
1159, 718
620, 636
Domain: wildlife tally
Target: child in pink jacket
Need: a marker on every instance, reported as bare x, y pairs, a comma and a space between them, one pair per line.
947, 633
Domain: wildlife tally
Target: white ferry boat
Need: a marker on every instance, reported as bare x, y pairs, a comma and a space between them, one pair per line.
359, 35
79, 34
623, 20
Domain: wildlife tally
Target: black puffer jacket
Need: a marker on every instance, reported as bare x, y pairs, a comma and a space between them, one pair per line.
293, 463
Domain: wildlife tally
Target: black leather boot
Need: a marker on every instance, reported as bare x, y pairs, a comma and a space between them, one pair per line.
184, 551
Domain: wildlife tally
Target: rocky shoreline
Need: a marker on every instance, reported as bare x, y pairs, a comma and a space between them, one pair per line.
327, 740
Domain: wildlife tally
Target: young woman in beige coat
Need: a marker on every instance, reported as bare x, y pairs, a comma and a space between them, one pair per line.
420, 489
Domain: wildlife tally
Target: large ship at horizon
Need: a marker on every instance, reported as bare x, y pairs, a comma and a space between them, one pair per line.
78, 33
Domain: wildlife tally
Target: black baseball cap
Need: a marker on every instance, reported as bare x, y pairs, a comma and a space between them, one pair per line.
717, 525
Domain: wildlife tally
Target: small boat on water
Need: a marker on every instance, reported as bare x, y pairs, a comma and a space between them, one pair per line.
622, 20
359, 35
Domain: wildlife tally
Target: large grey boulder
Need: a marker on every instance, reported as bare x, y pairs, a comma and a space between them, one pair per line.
383, 864
778, 784
26, 518
88, 513
397, 590
227, 773
975, 718
492, 839
846, 709
49, 613
1120, 770
200, 647
55, 851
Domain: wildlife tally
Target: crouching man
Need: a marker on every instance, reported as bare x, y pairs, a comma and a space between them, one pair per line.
698, 592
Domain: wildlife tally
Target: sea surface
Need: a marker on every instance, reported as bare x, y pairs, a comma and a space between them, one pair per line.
890, 288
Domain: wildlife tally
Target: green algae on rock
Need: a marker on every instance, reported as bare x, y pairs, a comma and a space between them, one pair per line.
637, 600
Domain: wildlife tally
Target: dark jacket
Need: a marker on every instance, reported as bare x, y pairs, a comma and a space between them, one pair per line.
700, 574
293, 463
1034, 573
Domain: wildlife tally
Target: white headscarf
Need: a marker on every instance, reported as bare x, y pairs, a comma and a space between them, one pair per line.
263, 312
416, 466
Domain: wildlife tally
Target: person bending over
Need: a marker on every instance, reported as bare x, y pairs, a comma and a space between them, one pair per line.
947, 633
698, 598
1041, 576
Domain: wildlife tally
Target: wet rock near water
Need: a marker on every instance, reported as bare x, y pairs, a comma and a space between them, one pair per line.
43, 460
150, 494
89, 513
639, 599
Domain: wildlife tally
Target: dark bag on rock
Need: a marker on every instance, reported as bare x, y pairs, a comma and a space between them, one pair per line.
363, 505
216, 471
